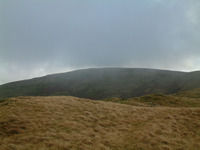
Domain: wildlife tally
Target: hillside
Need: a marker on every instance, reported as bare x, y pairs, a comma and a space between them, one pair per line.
161, 100
105, 83
195, 93
74, 123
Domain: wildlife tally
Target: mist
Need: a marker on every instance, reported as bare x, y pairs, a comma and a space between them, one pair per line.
39, 37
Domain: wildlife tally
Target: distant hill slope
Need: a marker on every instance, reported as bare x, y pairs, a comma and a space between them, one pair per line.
62, 122
156, 100
195, 93
104, 83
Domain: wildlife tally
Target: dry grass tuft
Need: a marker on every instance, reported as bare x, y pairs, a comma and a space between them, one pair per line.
73, 123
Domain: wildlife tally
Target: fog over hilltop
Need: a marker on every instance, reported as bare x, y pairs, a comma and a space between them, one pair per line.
39, 37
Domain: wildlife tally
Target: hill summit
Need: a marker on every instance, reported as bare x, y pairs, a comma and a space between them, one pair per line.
101, 83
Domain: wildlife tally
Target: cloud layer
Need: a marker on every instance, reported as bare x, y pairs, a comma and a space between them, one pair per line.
39, 37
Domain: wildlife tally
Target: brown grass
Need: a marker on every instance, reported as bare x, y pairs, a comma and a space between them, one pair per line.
73, 123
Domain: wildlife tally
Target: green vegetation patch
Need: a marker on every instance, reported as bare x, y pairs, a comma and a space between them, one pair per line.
158, 100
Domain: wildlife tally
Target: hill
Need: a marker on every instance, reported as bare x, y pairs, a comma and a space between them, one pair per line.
160, 100
74, 123
105, 83
195, 93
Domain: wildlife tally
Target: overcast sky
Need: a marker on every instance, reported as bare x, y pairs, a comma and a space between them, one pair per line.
39, 37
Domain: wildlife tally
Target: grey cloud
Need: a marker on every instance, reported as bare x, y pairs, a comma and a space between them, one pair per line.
54, 35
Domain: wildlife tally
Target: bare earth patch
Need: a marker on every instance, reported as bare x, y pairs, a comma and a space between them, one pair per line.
73, 123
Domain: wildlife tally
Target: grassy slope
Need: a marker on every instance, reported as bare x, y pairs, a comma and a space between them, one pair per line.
73, 123
195, 93
104, 83
161, 100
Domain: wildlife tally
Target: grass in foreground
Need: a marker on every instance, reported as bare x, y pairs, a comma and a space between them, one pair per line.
73, 123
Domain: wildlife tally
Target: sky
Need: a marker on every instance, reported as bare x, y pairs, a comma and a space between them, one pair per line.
40, 37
